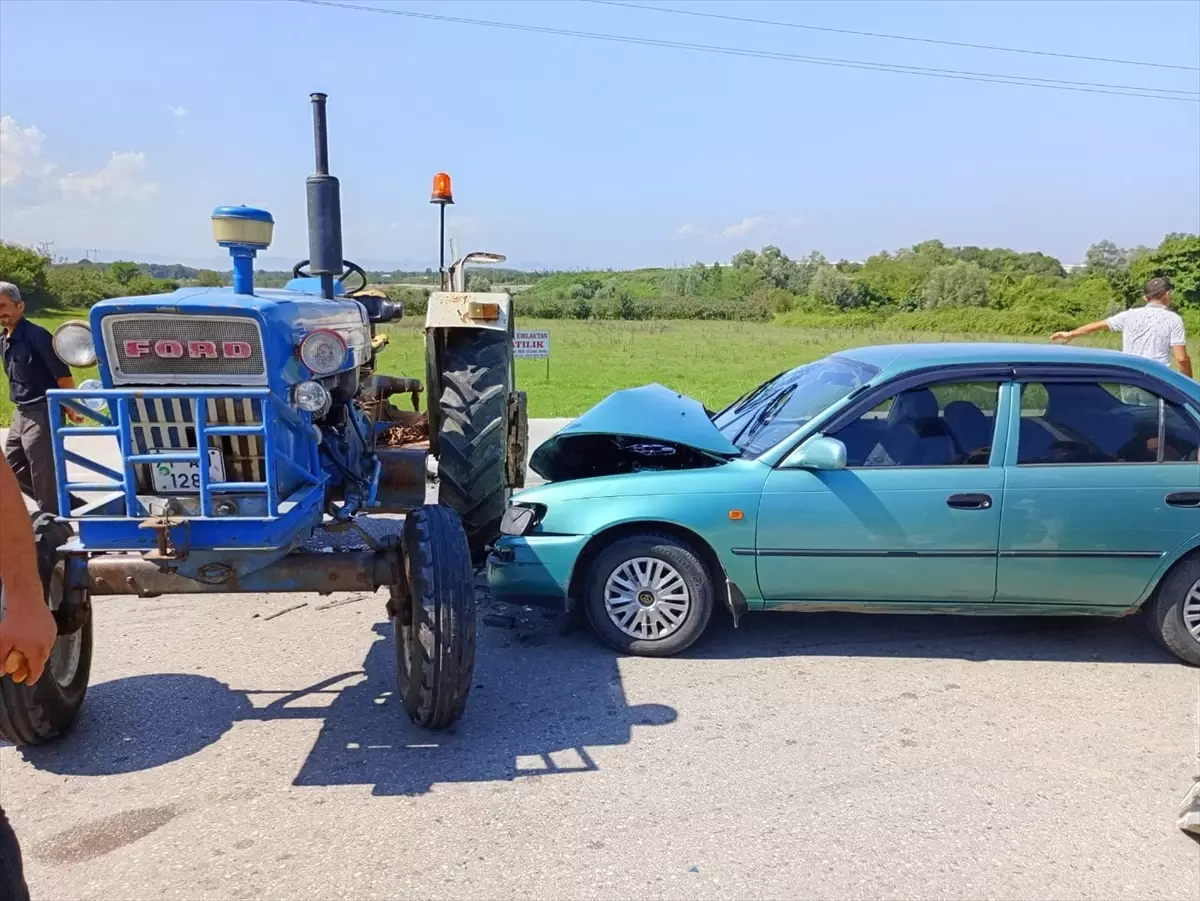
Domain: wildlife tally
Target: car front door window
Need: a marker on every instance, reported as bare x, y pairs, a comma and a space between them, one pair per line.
930, 425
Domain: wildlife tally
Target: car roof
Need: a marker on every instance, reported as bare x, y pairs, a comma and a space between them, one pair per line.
895, 358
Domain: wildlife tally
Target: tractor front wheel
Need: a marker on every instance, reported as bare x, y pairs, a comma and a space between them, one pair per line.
435, 621
476, 379
35, 714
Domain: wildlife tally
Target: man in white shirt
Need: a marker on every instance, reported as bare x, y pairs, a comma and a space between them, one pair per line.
1154, 331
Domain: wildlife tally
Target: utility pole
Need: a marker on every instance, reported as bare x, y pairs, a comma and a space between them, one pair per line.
94, 250
46, 248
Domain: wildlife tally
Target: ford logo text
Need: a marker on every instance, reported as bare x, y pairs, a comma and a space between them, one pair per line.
168, 349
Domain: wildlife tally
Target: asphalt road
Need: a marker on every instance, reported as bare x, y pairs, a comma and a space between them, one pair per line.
224, 755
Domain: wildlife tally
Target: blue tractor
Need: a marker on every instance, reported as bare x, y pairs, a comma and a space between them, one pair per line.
256, 441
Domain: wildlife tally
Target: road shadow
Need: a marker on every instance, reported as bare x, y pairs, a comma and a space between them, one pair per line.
540, 700
1081, 639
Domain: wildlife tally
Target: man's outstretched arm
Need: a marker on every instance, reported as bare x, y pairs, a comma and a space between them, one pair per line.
27, 630
1098, 326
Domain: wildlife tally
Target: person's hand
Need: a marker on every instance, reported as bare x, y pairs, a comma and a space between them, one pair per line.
1065, 337
27, 633
73, 416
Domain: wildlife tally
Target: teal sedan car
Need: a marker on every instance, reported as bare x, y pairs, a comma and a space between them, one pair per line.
925, 478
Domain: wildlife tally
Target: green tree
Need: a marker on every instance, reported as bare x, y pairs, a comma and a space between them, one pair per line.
958, 284
207, 278
25, 268
123, 271
835, 289
1177, 258
479, 283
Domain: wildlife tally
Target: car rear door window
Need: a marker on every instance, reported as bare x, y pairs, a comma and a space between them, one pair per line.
1102, 422
949, 424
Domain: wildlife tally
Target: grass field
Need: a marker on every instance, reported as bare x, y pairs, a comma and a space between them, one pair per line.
713, 362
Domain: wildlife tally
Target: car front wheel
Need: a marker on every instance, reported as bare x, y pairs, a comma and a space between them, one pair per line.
649, 595
1175, 612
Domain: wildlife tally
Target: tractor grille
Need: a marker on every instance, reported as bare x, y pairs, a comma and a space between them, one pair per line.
184, 350
165, 425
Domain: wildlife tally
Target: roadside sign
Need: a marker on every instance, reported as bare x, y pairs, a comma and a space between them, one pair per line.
532, 345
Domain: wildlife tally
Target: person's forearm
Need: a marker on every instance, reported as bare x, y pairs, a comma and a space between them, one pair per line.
18, 555
1089, 328
66, 382
1185, 365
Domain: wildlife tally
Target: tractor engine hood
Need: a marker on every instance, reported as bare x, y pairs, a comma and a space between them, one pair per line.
647, 429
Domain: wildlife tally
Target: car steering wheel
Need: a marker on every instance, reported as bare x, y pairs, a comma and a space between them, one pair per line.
298, 271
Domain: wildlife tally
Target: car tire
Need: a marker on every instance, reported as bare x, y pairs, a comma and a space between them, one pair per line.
1177, 601
682, 578
38, 713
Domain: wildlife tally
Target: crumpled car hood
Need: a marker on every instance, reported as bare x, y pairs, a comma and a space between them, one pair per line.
637, 429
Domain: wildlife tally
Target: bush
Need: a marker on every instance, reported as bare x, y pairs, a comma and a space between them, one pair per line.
835, 289
959, 284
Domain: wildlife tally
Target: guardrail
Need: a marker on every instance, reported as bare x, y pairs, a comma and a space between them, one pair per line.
119, 424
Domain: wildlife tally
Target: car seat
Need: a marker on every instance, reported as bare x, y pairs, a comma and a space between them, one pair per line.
915, 435
969, 424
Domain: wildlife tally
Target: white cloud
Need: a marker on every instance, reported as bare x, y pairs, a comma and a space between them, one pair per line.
748, 225
177, 111
21, 152
120, 179
688, 230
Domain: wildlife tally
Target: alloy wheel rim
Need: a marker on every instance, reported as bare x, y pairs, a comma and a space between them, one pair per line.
1191, 611
647, 598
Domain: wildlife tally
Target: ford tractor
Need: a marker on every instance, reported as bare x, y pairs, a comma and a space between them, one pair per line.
260, 452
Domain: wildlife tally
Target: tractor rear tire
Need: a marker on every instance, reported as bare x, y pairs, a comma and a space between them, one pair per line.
38, 713
435, 627
476, 379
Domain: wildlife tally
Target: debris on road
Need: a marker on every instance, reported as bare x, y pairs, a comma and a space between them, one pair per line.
285, 610
342, 602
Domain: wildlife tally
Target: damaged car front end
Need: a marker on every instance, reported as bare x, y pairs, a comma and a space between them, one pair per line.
653, 465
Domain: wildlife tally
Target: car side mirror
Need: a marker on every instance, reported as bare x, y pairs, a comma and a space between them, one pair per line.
819, 452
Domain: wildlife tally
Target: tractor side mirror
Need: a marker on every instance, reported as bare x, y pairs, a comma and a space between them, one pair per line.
458, 269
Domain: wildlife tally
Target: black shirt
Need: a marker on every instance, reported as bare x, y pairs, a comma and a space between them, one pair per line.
30, 363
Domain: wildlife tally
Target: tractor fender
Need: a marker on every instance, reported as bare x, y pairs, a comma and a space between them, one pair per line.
467, 309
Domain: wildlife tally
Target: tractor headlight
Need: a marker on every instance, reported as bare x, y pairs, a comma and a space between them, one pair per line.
73, 344
323, 351
311, 397
519, 519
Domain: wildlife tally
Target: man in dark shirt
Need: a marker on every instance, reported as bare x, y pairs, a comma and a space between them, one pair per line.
32, 367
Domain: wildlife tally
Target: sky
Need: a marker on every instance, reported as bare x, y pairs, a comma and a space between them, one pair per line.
124, 123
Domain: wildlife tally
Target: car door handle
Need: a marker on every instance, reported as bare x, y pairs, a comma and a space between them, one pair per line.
1184, 499
969, 501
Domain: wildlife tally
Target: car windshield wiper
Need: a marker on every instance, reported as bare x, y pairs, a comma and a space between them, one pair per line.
748, 398
765, 415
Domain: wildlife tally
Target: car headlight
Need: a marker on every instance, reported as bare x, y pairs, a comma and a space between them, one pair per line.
323, 351
520, 519
311, 397
74, 345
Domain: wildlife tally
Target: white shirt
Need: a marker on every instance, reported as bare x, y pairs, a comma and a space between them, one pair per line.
1150, 331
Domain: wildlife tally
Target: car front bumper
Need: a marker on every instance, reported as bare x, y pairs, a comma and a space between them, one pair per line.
533, 570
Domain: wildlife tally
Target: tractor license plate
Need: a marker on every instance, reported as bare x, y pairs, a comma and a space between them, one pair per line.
175, 477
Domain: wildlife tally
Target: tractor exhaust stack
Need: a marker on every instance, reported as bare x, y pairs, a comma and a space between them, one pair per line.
324, 208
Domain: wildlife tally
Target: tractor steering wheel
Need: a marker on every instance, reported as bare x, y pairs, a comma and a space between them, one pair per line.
298, 271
